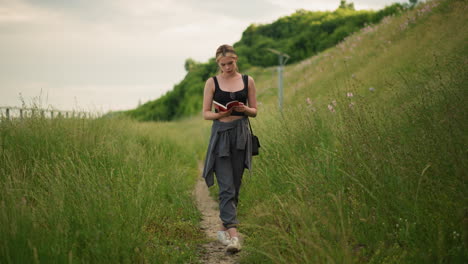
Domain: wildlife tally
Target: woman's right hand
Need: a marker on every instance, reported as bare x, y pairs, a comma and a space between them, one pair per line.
224, 114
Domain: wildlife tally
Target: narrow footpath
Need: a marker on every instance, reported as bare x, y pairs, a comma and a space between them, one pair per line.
212, 252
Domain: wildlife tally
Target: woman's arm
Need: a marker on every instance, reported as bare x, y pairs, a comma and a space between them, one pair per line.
208, 102
251, 108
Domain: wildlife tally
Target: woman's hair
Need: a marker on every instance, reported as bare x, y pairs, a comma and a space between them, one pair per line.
226, 51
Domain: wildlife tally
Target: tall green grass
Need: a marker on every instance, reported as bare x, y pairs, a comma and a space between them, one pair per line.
382, 177
97, 191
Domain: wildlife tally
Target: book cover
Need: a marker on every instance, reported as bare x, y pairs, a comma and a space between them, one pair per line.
224, 108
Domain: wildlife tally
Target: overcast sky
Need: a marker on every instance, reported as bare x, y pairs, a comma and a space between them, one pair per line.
101, 55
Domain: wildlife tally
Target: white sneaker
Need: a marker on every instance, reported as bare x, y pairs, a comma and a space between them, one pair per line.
234, 246
223, 238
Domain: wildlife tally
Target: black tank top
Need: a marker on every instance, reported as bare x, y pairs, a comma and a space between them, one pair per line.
223, 97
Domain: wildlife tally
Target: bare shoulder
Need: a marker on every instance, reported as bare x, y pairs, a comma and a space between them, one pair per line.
209, 84
210, 81
251, 82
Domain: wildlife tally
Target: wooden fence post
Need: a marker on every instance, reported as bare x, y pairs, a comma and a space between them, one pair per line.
32, 113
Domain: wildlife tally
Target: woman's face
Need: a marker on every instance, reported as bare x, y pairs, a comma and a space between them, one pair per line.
227, 64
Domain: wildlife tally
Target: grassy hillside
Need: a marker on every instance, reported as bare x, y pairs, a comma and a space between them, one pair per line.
367, 163
97, 191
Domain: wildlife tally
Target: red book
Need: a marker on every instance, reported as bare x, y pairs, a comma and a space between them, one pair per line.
224, 108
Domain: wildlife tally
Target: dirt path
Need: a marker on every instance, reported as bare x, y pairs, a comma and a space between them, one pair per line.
213, 252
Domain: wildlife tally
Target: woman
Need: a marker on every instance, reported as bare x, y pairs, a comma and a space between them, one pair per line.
230, 147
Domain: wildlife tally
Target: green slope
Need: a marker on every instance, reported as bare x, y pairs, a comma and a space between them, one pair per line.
381, 177
399, 52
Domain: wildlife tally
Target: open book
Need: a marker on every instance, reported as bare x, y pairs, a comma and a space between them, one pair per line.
224, 108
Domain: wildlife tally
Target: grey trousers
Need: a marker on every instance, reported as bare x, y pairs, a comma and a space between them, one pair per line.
229, 171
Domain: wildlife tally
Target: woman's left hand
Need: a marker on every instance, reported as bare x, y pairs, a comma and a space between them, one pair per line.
240, 108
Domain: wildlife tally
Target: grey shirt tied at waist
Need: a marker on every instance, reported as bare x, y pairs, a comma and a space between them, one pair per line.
219, 145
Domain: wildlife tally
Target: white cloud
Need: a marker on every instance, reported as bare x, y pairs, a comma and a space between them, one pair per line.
292, 5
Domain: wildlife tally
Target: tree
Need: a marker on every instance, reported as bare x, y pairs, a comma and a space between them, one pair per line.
344, 5
413, 2
190, 64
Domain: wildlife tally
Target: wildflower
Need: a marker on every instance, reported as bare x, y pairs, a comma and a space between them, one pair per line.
372, 89
386, 20
334, 102
349, 94
309, 102
330, 107
353, 76
351, 105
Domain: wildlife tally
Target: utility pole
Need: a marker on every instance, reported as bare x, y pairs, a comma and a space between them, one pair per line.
282, 59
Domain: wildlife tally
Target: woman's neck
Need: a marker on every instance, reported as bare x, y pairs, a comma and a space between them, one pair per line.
229, 76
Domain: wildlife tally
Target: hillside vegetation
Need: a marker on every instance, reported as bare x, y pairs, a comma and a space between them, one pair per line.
301, 35
367, 161
97, 191
305, 33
